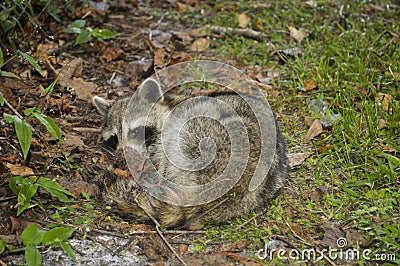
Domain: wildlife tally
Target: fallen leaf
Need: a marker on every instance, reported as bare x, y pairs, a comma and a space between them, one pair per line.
243, 20
182, 8
200, 45
309, 120
138, 70
384, 100
159, 55
382, 123
390, 150
314, 130
376, 8
295, 159
331, 238
121, 173
178, 57
310, 84
17, 169
183, 248
298, 35
324, 148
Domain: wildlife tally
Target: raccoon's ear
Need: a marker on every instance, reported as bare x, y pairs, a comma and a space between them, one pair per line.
150, 91
101, 104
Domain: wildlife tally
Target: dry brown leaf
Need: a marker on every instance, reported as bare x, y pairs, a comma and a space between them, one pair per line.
390, 150
121, 173
298, 35
314, 130
310, 84
376, 8
17, 169
243, 20
178, 57
182, 8
198, 33
382, 123
324, 148
384, 100
295, 159
200, 45
159, 55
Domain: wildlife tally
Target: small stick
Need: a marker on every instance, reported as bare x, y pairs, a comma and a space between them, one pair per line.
160, 232
248, 33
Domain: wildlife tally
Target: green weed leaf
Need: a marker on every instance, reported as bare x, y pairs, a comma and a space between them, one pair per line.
28, 190
103, 34
8, 74
50, 88
55, 189
32, 235
32, 256
4, 245
33, 62
83, 37
15, 184
67, 248
1, 99
23, 130
56, 235
51, 127
80, 23
72, 30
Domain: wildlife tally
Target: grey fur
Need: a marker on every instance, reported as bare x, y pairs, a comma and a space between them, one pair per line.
238, 200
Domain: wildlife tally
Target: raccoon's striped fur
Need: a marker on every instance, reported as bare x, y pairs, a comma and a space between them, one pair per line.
238, 200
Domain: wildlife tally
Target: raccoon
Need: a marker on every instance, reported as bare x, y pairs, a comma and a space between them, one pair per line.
194, 152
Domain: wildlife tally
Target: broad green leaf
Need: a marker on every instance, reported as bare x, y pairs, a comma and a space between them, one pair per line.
72, 30
32, 256
80, 23
1, 99
32, 235
103, 34
84, 36
8, 74
51, 127
28, 190
50, 88
15, 184
33, 62
56, 235
55, 189
23, 130
67, 248
30, 111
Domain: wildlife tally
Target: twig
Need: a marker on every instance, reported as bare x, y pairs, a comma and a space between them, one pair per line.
7, 198
159, 231
248, 33
87, 129
308, 244
248, 221
12, 109
293, 246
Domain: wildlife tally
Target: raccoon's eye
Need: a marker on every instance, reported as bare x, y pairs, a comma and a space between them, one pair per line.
136, 133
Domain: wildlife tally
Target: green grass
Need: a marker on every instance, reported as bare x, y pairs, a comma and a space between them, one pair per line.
352, 55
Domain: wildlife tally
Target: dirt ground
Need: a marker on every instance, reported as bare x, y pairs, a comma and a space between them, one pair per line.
111, 69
